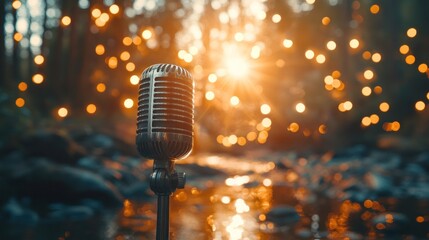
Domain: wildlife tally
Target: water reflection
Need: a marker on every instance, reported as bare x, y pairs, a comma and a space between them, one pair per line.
256, 202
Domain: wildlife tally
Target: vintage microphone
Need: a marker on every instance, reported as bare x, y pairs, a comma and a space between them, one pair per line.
165, 122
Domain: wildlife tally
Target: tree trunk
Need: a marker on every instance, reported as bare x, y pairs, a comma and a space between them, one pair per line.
16, 63
2, 45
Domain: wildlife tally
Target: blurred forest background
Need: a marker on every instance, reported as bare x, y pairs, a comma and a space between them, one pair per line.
283, 74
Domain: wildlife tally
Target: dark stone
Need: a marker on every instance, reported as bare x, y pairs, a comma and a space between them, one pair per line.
49, 182
381, 184
138, 191
283, 215
303, 233
55, 146
104, 144
195, 171
15, 212
357, 151
423, 160
71, 213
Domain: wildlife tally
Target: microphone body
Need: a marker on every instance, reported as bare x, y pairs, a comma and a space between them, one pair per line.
165, 115
165, 120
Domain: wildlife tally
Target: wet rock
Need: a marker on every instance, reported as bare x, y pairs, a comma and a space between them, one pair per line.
423, 160
282, 215
95, 205
89, 162
70, 213
55, 146
415, 169
48, 182
102, 144
138, 191
196, 171
303, 233
384, 160
357, 151
15, 212
381, 184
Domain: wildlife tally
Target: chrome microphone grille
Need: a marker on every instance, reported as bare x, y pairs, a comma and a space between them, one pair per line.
165, 115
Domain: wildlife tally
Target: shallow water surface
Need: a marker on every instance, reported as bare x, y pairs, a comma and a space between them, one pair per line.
240, 204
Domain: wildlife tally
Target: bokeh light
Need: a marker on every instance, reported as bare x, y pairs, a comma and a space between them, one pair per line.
62, 112
210, 95
39, 59
354, 43
22, 86
91, 108
420, 106
19, 102
128, 103
384, 107
66, 20
411, 32
265, 109
331, 45
300, 107
374, 9
234, 101
366, 91
134, 79
114, 9
38, 78
101, 87
309, 54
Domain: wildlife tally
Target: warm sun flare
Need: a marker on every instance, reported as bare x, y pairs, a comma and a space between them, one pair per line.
236, 66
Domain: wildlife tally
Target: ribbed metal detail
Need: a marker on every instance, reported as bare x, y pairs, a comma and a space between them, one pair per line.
165, 115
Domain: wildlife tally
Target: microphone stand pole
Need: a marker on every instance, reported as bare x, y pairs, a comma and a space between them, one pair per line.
163, 181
